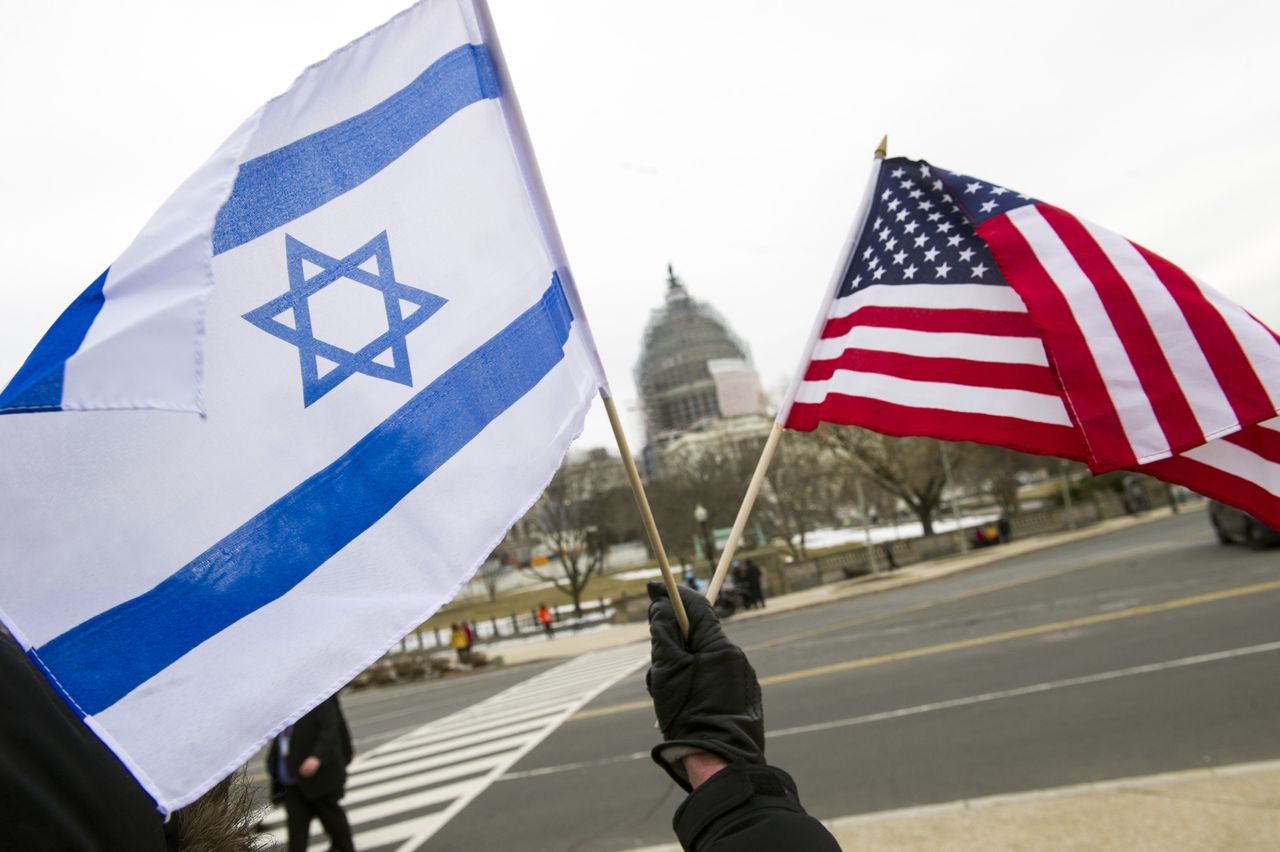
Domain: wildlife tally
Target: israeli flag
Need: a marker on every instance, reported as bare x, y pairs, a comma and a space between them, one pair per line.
351, 355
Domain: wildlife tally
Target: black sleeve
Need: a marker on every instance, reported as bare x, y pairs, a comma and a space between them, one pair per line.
744, 808
328, 742
60, 787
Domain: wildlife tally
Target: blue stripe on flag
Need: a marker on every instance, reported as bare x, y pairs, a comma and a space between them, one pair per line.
101, 660
278, 187
38, 383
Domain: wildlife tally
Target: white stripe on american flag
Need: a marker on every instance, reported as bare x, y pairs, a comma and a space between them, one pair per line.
933, 344
1138, 419
1000, 402
1239, 462
1260, 346
983, 297
1191, 370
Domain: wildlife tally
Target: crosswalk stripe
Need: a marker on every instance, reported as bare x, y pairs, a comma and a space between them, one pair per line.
388, 758
454, 759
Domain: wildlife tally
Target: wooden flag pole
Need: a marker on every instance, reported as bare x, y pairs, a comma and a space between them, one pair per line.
766, 456
744, 512
642, 503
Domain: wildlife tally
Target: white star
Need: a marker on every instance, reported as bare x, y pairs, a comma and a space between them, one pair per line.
907, 184
875, 261
998, 190
878, 274
884, 234
893, 205
866, 254
973, 187
899, 257
898, 172
931, 254
945, 227
953, 240
915, 193
937, 186
910, 227
921, 240
856, 281
988, 207
886, 194
926, 205
943, 270
980, 270
902, 214
878, 222
966, 254
924, 170
935, 216
910, 271
889, 246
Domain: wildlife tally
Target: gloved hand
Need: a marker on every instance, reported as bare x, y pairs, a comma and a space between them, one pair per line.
704, 691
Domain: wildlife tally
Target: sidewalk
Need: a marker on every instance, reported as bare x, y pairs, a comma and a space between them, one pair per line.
571, 645
1234, 807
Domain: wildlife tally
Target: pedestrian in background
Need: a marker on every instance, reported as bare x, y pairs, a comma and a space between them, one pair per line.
308, 766
458, 641
545, 618
755, 589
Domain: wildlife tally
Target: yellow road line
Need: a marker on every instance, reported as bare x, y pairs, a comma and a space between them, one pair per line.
1040, 630
1109, 559
978, 641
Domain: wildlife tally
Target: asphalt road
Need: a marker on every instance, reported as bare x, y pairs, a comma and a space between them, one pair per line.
1148, 650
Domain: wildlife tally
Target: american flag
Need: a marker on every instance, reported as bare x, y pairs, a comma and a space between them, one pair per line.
967, 311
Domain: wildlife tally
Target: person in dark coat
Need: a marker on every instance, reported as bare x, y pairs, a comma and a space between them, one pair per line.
709, 708
755, 590
62, 788
307, 762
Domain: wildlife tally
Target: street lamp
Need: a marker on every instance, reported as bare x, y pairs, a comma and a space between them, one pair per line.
700, 515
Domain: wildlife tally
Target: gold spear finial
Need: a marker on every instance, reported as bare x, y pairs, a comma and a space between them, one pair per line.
883, 150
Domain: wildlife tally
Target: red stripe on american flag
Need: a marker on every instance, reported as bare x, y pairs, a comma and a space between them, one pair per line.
955, 371
1173, 412
1089, 406
1023, 435
962, 320
1220, 485
1258, 439
1226, 357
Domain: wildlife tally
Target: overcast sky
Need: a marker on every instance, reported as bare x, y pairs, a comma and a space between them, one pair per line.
732, 139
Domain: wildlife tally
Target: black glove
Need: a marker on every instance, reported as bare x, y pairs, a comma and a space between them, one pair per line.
704, 691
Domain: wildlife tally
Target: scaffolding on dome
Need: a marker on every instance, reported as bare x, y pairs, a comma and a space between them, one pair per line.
677, 389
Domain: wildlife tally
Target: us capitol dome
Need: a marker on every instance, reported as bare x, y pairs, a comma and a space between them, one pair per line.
692, 371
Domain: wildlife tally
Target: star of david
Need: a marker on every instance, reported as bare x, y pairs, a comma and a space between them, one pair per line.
355, 267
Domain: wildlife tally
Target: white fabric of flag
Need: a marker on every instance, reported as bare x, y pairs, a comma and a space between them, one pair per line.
363, 294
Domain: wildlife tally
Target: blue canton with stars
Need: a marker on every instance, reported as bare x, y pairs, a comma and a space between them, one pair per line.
311, 349
920, 228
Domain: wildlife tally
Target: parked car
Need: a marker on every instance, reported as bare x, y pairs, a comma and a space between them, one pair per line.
1233, 525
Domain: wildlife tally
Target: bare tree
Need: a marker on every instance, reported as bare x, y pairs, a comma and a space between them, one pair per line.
713, 475
489, 573
579, 516
910, 468
996, 471
802, 490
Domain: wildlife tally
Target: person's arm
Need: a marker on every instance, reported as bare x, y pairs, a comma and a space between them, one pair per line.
709, 708
326, 745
